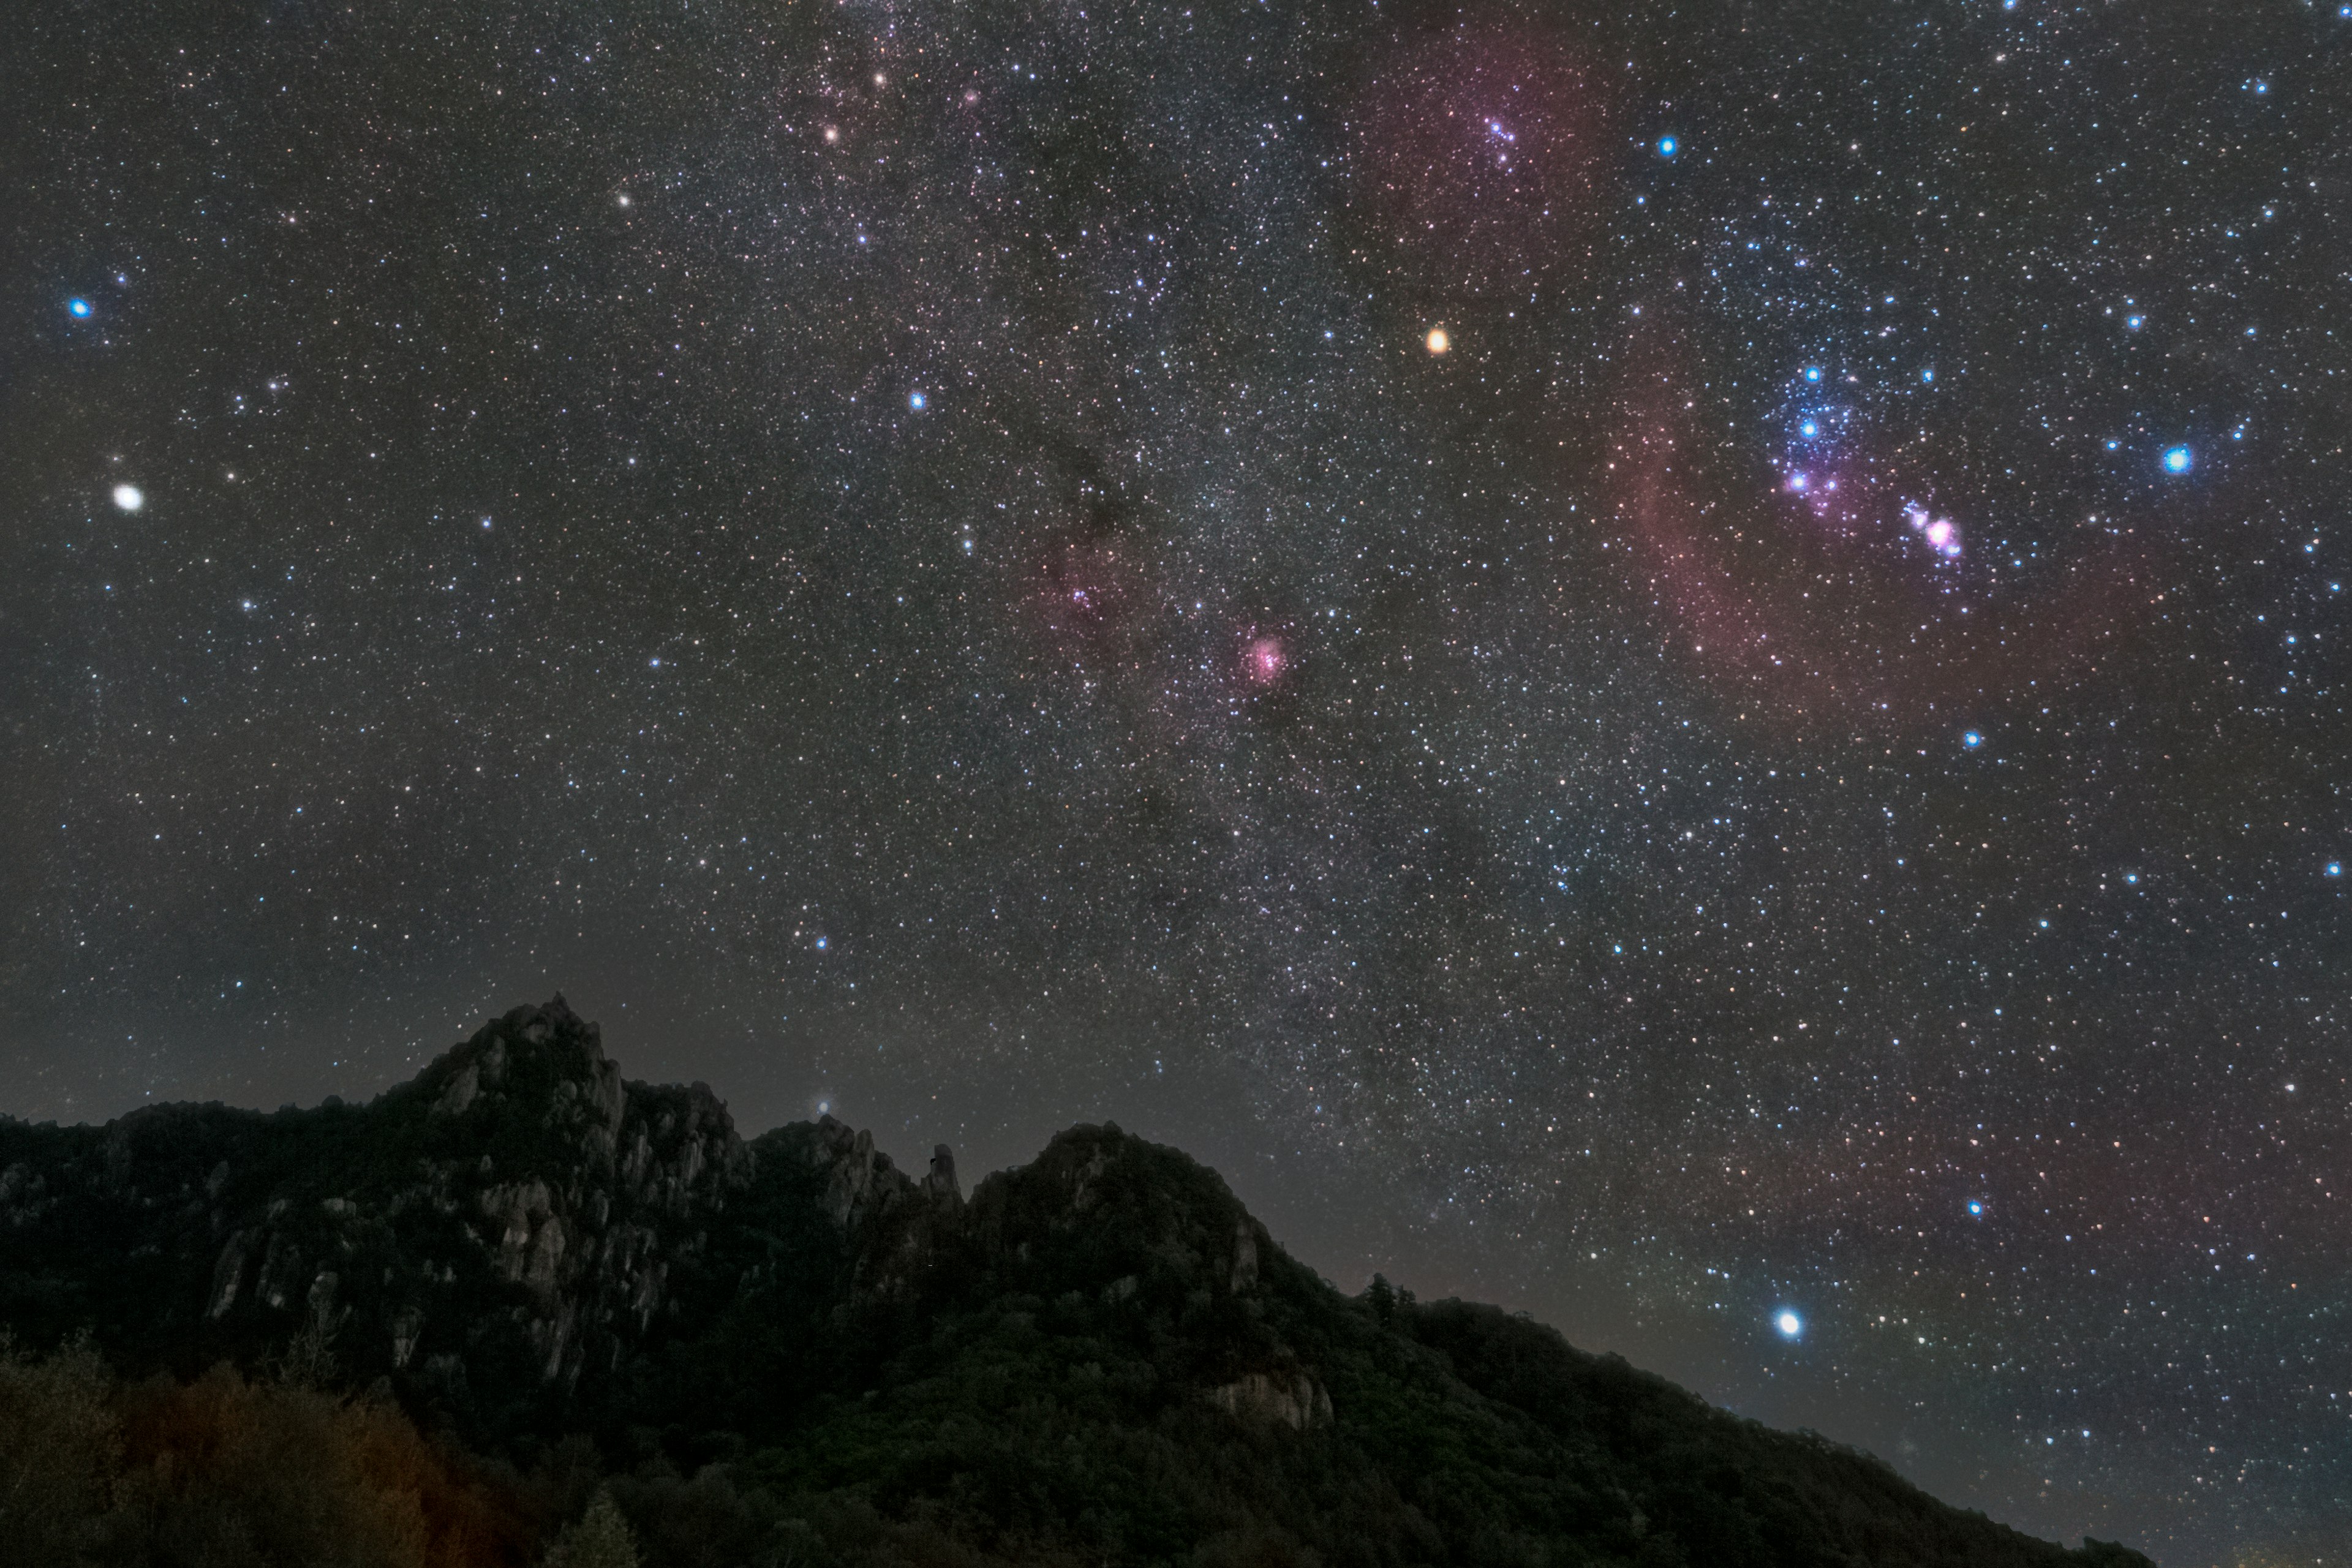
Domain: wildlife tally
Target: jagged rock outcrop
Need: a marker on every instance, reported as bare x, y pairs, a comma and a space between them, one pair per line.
520, 1245
516, 1205
940, 1185
1296, 1402
518, 1217
857, 1181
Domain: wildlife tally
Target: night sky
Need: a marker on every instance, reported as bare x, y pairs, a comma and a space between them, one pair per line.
1684, 669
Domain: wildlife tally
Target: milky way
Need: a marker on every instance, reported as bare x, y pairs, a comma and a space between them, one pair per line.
1679, 671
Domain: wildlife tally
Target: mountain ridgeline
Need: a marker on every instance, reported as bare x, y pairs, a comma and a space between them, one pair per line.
537, 1291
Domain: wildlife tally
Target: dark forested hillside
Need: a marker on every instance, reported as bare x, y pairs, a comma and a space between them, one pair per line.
518, 1301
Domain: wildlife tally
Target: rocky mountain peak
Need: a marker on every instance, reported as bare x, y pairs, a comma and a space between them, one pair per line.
519, 1243
1163, 1213
546, 1052
515, 1209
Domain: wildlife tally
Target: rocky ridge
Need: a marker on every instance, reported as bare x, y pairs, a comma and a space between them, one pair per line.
520, 1245
515, 1204
518, 1217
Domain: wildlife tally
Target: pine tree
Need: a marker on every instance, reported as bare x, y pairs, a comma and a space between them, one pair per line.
602, 1539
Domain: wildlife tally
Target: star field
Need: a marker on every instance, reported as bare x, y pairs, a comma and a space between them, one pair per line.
1681, 669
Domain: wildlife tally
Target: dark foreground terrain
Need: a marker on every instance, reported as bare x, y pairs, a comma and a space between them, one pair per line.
518, 1308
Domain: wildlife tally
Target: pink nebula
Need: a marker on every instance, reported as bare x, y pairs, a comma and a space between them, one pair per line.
1819, 625
1480, 152
1265, 661
1943, 535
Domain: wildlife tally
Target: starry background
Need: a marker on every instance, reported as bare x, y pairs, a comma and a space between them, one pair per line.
926, 561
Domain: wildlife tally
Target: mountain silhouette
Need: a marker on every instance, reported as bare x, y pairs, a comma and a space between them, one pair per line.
790, 1350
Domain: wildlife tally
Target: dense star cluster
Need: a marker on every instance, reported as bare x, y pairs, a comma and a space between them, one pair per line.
1681, 670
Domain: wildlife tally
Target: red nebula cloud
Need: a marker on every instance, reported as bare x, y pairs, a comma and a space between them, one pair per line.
1264, 661
1855, 622
1480, 148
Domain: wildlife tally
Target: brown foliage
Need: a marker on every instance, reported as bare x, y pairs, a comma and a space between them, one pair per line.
312, 1477
225, 1472
58, 1448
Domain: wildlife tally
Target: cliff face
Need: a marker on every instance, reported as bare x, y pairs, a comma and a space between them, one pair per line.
519, 1209
1101, 1355
514, 1212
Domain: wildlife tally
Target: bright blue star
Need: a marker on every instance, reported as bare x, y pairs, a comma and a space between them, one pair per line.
1666, 145
2178, 460
1809, 429
1790, 1325
2134, 321
2336, 868
78, 307
820, 944
1972, 739
916, 401
1976, 1206
1927, 376
1813, 373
